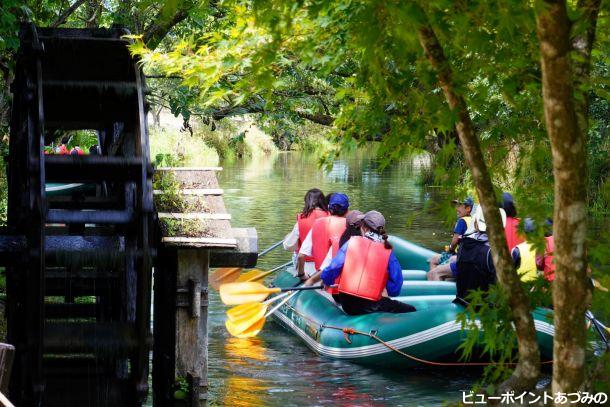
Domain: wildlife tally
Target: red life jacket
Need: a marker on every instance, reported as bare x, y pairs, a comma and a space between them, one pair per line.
323, 233
512, 237
305, 224
365, 271
549, 266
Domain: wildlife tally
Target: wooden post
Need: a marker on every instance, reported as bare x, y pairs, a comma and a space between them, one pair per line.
7, 354
191, 322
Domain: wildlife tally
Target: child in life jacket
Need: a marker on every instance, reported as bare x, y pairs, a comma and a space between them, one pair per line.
440, 264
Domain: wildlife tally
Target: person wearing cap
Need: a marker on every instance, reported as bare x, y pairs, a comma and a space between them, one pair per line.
353, 221
439, 264
513, 238
524, 255
365, 266
324, 235
315, 207
474, 268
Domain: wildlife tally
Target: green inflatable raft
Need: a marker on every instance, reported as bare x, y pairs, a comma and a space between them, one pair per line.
428, 336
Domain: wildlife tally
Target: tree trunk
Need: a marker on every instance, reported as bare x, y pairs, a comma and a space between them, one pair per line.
169, 15
527, 371
583, 44
571, 292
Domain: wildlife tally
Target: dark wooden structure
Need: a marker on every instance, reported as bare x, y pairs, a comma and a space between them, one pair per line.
202, 237
79, 265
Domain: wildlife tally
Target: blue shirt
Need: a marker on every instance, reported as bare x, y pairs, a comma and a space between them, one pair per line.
334, 269
460, 227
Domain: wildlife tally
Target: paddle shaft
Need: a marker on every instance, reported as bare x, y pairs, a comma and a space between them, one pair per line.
311, 287
599, 327
284, 301
273, 246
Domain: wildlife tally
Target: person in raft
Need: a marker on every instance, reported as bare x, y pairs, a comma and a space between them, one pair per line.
474, 268
353, 221
315, 208
324, 235
513, 238
439, 264
524, 255
365, 266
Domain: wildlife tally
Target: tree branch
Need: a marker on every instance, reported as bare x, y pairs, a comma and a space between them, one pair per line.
161, 25
62, 18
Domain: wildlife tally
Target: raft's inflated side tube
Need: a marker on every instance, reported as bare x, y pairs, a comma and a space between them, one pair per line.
414, 275
410, 255
419, 288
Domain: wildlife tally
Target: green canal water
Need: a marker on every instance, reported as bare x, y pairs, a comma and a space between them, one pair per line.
276, 368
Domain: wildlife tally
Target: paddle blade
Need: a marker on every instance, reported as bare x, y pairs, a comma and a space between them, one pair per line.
224, 275
252, 275
246, 321
242, 293
245, 310
251, 331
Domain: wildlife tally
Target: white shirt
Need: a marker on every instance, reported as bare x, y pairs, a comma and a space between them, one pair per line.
291, 241
307, 246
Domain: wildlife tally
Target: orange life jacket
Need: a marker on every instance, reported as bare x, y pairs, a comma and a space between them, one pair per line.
512, 237
305, 224
549, 266
365, 271
323, 232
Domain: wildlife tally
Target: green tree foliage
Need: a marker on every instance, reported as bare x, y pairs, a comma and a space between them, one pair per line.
387, 90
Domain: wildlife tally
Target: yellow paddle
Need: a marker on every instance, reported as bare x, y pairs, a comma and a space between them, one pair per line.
227, 275
224, 275
251, 308
242, 293
249, 325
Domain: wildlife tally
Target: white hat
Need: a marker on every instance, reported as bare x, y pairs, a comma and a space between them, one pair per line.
479, 219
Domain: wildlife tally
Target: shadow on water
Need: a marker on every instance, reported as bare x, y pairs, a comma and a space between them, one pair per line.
276, 368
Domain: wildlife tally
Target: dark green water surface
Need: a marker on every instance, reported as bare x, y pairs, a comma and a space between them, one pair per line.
276, 368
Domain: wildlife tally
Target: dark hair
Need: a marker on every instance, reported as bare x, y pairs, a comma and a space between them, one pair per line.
65, 139
508, 204
314, 198
350, 231
337, 211
381, 231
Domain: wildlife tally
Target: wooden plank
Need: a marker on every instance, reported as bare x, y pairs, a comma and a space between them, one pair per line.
194, 215
195, 192
188, 169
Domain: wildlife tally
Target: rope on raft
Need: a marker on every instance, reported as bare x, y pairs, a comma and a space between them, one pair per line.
352, 331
